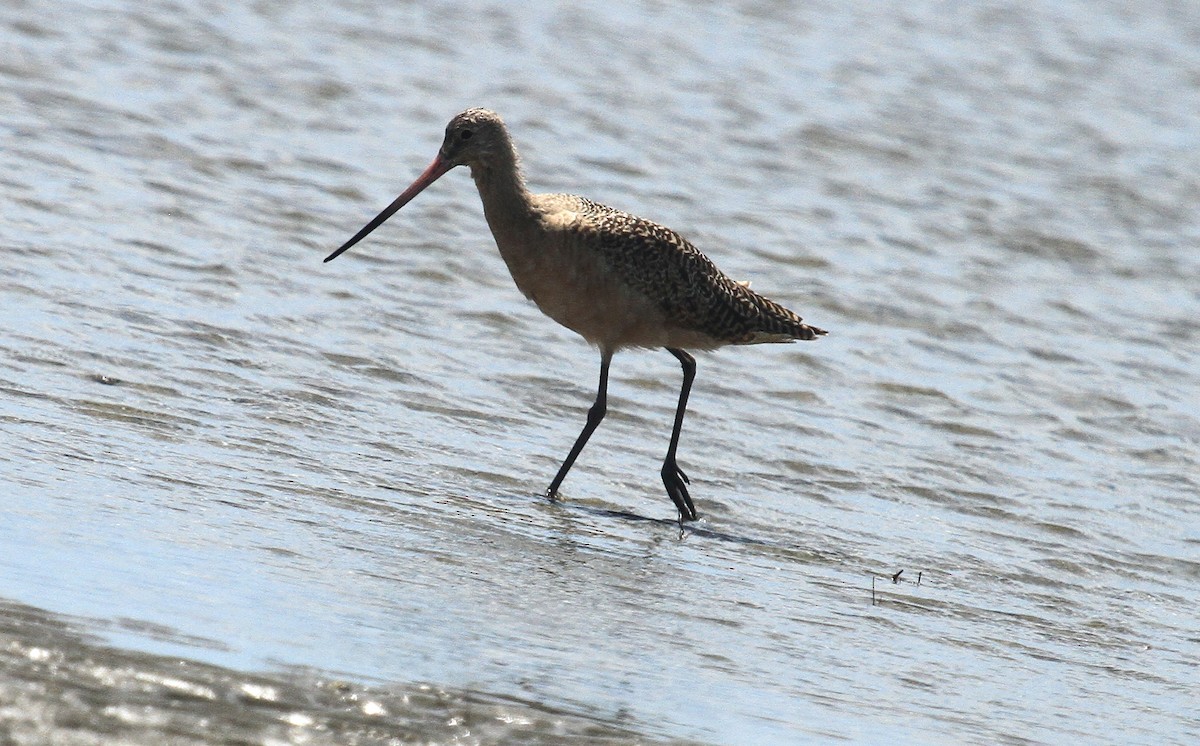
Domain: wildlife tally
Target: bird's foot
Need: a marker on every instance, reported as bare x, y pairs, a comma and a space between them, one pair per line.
676, 483
552, 495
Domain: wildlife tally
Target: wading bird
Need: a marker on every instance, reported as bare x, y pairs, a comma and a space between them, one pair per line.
615, 279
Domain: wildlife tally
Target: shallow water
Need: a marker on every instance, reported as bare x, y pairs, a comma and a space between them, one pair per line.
220, 450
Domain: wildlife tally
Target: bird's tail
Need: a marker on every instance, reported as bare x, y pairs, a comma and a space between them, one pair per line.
778, 324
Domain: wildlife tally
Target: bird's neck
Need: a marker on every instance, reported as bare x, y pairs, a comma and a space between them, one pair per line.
507, 203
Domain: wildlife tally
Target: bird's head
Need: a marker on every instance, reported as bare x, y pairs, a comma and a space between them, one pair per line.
473, 137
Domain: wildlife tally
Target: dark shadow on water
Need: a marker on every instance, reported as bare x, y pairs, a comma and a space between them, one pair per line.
698, 529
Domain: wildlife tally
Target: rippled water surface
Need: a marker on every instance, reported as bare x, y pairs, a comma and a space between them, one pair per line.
252, 497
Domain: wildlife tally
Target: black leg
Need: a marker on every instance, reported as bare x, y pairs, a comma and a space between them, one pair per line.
673, 477
595, 414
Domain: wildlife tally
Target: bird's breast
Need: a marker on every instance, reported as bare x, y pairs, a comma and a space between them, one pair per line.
566, 276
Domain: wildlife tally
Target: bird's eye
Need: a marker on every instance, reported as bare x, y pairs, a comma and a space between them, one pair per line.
465, 135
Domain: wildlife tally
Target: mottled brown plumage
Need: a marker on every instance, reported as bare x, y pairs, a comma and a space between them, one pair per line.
614, 278
689, 289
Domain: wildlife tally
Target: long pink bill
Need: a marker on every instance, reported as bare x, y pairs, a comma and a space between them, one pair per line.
432, 174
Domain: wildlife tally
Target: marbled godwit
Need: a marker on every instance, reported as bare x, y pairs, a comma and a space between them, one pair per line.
615, 279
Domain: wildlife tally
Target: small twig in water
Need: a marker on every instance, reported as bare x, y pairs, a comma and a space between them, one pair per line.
895, 578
